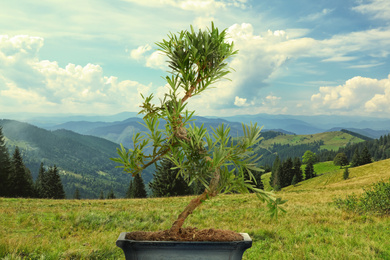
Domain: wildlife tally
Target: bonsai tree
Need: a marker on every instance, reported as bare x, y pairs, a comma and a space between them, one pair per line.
219, 162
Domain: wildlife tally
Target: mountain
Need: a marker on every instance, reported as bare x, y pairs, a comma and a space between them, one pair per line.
298, 124
49, 120
122, 131
84, 161
314, 124
375, 134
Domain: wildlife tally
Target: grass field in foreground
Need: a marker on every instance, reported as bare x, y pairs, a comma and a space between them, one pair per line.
312, 228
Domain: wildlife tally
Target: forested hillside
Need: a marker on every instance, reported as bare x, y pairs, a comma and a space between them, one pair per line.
286, 146
83, 161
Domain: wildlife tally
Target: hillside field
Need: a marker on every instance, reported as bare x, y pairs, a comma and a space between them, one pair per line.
312, 228
331, 140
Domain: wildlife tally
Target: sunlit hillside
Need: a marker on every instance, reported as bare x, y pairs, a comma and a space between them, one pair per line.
331, 140
312, 228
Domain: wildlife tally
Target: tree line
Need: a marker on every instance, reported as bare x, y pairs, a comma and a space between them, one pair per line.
16, 179
378, 149
288, 172
167, 182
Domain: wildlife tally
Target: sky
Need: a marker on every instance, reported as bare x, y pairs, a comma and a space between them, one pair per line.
299, 57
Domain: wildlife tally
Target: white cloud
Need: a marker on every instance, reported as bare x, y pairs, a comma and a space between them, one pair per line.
43, 86
138, 53
261, 57
240, 102
379, 9
358, 95
339, 59
316, 16
156, 60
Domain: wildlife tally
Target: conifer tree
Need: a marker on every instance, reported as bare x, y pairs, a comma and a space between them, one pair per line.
76, 195
294, 180
287, 173
130, 190
297, 170
346, 173
5, 166
139, 187
165, 183
53, 184
356, 160
365, 157
40, 185
309, 171
275, 178
20, 181
111, 195
101, 197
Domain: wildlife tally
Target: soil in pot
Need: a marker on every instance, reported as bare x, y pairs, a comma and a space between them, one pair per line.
186, 234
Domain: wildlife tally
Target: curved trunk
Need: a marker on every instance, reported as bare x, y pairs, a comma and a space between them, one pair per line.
194, 203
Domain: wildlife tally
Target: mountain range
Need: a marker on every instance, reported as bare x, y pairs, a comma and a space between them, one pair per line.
119, 128
82, 145
83, 160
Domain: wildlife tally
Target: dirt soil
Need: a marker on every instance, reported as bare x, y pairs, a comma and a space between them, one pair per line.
186, 234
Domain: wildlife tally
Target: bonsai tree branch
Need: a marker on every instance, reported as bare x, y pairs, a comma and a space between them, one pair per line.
197, 60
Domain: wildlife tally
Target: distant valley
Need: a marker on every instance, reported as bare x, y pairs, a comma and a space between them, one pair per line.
114, 127
81, 147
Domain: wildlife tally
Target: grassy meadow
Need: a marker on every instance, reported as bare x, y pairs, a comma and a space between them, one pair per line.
332, 140
312, 228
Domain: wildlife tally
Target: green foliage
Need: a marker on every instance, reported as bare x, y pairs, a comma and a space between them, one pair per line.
377, 149
52, 184
309, 157
83, 160
20, 179
5, 166
356, 159
136, 188
346, 174
196, 60
363, 137
309, 171
40, 182
341, 160
275, 178
111, 195
297, 171
375, 200
255, 180
365, 157
166, 181
286, 173
76, 195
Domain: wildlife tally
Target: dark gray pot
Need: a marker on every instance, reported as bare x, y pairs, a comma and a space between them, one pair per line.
175, 250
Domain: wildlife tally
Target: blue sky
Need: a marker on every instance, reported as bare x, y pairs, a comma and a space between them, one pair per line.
295, 57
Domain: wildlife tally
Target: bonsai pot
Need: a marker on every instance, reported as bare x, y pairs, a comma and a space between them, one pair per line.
167, 250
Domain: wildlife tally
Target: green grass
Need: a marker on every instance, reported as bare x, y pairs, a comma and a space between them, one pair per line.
332, 140
320, 168
313, 227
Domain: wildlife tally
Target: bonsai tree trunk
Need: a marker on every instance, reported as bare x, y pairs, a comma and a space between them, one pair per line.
208, 193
